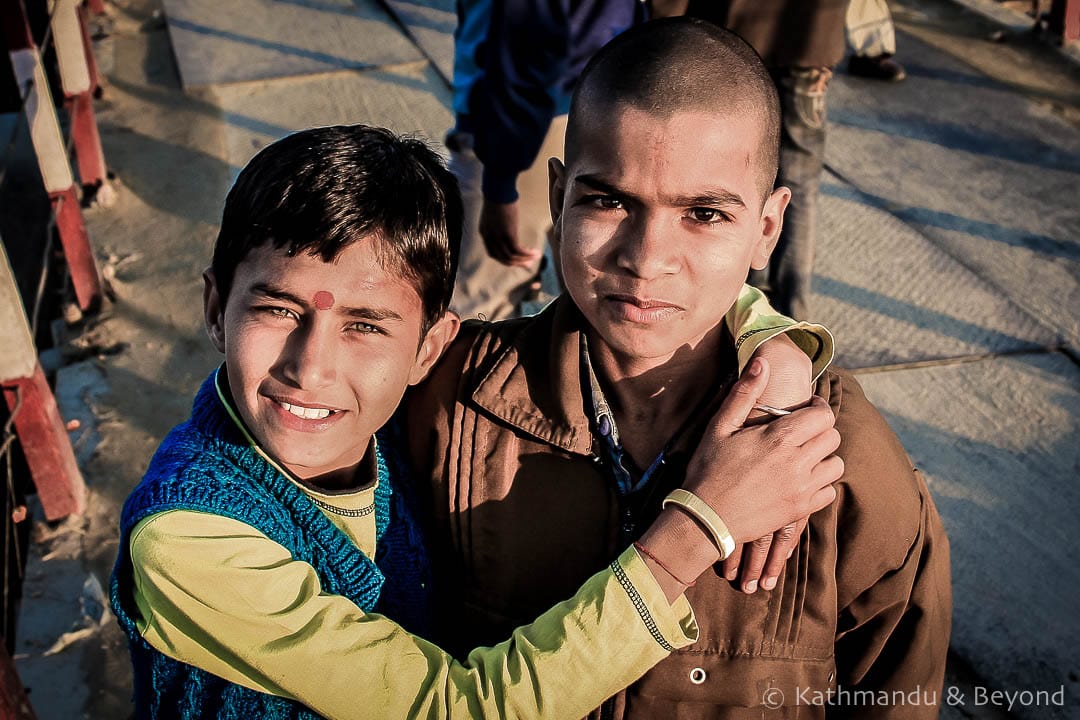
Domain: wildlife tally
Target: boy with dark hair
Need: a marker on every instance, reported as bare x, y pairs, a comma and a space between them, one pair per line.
271, 525
590, 412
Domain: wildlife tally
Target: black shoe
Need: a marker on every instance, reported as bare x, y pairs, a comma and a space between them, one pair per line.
878, 67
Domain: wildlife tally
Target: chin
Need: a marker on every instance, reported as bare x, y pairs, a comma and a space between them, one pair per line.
640, 344
296, 456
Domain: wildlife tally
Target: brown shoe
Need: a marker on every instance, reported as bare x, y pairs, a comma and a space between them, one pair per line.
878, 67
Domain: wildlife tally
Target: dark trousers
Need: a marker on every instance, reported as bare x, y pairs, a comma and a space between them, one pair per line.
802, 155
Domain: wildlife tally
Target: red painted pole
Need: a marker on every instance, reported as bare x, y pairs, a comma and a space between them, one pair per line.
87, 141
48, 141
45, 443
79, 81
34, 414
14, 704
77, 250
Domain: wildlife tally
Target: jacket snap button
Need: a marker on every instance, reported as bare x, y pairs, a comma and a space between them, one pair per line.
697, 676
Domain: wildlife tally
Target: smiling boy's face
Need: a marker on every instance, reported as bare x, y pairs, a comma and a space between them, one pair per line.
318, 354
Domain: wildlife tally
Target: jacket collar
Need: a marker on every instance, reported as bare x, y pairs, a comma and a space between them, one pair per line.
536, 383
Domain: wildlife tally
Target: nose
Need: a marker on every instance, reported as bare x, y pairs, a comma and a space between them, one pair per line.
645, 248
307, 360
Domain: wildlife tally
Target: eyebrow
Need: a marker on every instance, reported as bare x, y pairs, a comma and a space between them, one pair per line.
711, 197
360, 313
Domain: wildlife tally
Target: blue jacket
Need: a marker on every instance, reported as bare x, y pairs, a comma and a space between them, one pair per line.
515, 65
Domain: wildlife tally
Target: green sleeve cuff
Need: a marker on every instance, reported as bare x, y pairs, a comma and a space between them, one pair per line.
673, 626
813, 339
753, 321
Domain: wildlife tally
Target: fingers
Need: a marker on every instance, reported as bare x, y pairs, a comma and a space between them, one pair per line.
763, 560
823, 498
819, 447
805, 423
799, 527
753, 561
508, 251
731, 565
499, 229
744, 394
784, 542
826, 472
525, 259
517, 256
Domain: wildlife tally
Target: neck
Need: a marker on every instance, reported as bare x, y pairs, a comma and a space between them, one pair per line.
348, 478
652, 398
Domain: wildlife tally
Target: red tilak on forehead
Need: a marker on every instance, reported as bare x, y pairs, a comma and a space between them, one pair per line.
323, 300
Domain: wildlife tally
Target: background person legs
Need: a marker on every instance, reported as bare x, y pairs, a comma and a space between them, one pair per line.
788, 276
872, 37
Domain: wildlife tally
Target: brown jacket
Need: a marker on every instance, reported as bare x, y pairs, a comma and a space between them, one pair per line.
786, 33
523, 514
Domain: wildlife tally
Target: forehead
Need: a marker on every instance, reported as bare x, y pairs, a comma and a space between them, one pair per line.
360, 271
680, 147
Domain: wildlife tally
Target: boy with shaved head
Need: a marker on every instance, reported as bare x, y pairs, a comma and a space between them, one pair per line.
557, 438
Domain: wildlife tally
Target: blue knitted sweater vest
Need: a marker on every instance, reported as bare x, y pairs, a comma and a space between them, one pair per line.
206, 465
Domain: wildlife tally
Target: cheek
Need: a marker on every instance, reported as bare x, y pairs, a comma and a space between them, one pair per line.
717, 277
252, 349
582, 251
379, 384
577, 278
386, 369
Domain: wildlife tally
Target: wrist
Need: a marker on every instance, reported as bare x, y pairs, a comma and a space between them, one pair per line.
705, 516
681, 545
669, 583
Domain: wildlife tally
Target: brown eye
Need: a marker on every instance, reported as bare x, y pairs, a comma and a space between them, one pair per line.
706, 215
364, 328
608, 203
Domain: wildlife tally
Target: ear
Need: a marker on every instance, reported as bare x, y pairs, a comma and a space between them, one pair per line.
213, 310
556, 194
772, 222
438, 338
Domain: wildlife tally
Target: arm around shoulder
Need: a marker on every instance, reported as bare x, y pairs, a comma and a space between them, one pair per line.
231, 601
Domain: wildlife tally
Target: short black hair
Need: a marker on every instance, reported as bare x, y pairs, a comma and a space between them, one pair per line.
320, 190
678, 64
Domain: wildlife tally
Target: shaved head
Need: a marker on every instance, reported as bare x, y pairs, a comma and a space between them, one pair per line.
677, 65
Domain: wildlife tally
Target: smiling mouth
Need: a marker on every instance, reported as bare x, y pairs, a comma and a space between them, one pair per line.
307, 413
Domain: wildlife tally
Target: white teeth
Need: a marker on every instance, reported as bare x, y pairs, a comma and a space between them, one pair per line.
306, 412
